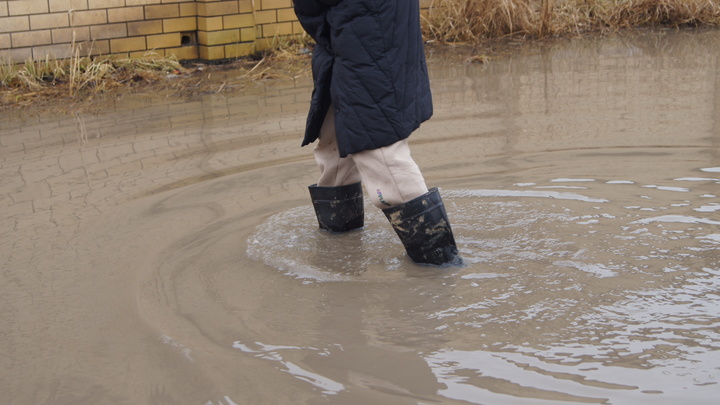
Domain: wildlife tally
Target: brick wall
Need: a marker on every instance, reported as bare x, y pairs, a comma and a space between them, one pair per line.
188, 29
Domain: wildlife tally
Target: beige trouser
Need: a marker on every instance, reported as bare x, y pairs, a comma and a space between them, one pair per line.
390, 175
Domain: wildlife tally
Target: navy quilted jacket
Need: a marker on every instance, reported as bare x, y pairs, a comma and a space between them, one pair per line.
369, 61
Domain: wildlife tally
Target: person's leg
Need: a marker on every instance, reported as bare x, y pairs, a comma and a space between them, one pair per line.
417, 214
334, 170
390, 174
337, 197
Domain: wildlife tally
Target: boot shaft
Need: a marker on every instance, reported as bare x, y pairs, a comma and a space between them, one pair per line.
424, 230
338, 209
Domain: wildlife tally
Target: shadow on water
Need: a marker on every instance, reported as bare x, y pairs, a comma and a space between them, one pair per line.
165, 251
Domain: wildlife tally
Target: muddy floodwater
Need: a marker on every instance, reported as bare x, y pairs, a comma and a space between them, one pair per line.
164, 251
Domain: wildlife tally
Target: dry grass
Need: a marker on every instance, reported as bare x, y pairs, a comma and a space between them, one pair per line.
472, 20
476, 20
78, 79
676, 13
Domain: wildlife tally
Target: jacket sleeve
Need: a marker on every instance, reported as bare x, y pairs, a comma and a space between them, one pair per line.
311, 14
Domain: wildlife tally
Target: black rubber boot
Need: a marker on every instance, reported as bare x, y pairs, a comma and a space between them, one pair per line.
423, 227
338, 209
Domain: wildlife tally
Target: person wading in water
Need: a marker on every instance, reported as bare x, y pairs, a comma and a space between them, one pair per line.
371, 91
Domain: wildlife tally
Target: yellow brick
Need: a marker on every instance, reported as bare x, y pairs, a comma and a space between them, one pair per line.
136, 13
265, 17
67, 5
248, 34
286, 14
210, 23
217, 8
25, 7
97, 4
145, 54
262, 44
162, 11
144, 28
218, 37
97, 47
271, 4
65, 35
188, 9
297, 28
141, 2
101, 47
3, 9
88, 17
238, 21
179, 24
183, 53
273, 30
31, 38
4, 41
239, 50
16, 55
163, 41
212, 52
127, 44
14, 24
108, 31
41, 21
57, 51
74, 48
246, 6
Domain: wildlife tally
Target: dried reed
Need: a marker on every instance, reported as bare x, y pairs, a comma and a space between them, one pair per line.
634, 13
474, 20
81, 74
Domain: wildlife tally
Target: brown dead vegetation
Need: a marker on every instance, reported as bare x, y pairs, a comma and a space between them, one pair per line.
456, 21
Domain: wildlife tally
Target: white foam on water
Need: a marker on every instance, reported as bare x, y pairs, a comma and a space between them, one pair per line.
667, 188
561, 180
685, 219
562, 187
696, 179
708, 208
521, 193
715, 237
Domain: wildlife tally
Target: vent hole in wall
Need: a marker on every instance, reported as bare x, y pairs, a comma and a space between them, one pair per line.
188, 38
